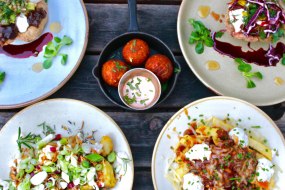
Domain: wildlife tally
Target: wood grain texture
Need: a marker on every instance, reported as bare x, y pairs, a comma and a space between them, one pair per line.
105, 24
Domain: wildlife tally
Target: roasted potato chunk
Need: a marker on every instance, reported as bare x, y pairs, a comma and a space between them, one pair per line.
109, 179
108, 145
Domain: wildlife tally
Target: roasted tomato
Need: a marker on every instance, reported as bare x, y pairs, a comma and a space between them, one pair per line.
135, 52
161, 66
112, 72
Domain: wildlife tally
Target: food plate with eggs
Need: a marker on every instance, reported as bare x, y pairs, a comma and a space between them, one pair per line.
219, 142
40, 48
64, 144
242, 43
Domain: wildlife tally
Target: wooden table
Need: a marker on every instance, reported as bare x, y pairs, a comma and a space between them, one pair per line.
108, 19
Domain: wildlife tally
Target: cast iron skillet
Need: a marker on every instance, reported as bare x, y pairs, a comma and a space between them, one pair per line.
114, 48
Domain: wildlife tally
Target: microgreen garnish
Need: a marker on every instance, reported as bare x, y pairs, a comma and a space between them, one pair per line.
27, 140
119, 67
219, 34
47, 130
201, 36
2, 76
52, 49
134, 45
129, 100
177, 70
245, 69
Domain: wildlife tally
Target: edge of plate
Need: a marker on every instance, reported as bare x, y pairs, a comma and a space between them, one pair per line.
179, 21
198, 102
62, 83
87, 104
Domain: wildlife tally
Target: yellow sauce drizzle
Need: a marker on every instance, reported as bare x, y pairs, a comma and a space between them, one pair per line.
37, 67
204, 11
212, 65
278, 81
55, 27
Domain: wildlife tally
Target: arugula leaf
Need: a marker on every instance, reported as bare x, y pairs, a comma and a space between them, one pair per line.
245, 69
52, 49
201, 36
2, 76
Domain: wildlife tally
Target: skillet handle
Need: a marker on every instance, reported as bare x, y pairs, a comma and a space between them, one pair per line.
133, 27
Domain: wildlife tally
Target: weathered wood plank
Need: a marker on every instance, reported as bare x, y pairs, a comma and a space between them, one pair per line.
143, 180
105, 24
165, 2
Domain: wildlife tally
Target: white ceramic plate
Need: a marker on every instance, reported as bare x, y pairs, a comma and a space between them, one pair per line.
58, 112
228, 80
22, 85
219, 107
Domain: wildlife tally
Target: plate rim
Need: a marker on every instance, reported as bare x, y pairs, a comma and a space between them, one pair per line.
169, 122
85, 104
179, 35
66, 79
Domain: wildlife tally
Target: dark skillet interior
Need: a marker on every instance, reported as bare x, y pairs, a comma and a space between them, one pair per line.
113, 50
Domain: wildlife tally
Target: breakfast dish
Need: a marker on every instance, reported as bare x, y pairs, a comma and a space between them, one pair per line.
22, 19
64, 149
219, 143
213, 154
255, 20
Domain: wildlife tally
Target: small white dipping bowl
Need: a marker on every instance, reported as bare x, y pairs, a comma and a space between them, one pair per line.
140, 72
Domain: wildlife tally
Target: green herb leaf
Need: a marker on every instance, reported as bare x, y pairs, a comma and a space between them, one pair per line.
57, 40
244, 68
250, 84
164, 86
94, 157
2, 76
64, 59
177, 70
219, 34
209, 42
199, 47
47, 64
28, 140
66, 40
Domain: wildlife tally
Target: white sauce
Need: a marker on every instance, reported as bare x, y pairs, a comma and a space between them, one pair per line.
199, 152
239, 136
39, 178
265, 170
90, 178
139, 89
22, 23
236, 19
192, 182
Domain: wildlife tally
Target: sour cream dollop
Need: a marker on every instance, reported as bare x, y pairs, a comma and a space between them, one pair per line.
192, 182
239, 136
199, 152
22, 23
236, 19
264, 170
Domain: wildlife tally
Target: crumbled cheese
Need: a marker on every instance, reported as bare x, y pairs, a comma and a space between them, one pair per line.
39, 178
63, 185
192, 182
236, 19
65, 177
76, 181
39, 187
199, 152
239, 136
73, 160
264, 170
90, 178
22, 23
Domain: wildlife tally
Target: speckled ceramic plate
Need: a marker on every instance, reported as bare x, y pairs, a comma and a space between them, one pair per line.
22, 85
227, 80
71, 113
220, 107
